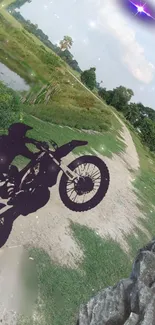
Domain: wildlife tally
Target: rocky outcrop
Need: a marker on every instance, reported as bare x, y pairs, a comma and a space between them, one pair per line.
131, 301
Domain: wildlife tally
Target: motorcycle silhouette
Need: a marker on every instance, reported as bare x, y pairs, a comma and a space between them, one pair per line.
83, 184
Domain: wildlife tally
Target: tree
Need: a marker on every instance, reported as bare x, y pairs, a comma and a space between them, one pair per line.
88, 77
150, 113
142, 118
148, 133
66, 55
106, 95
121, 97
35, 26
132, 114
118, 97
102, 93
136, 113
66, 43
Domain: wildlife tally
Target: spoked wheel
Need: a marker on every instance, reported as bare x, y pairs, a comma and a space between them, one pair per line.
90, 187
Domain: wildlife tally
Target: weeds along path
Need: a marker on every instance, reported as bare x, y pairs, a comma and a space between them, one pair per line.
130, 156
116, 216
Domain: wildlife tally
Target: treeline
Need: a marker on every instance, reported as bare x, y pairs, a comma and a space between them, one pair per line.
17, 4
33, 28
141, 117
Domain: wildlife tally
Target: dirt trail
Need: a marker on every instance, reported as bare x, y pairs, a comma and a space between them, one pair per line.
49, 228
117, 214
130, 156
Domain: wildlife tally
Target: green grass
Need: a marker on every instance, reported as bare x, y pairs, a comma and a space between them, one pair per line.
104, 143
63, 289
7, 2
145, 180
3, 6
75, 117
145, 185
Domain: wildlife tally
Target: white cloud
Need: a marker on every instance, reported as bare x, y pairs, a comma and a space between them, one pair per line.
133, 56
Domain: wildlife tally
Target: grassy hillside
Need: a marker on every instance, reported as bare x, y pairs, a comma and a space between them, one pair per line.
24, 55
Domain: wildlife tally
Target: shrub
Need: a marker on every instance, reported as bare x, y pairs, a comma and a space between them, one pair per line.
85, 101
9, 106
88, 77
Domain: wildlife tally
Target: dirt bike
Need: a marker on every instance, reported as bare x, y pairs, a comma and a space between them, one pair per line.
82, 186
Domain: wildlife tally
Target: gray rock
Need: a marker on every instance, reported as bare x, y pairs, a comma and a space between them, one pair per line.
131, 301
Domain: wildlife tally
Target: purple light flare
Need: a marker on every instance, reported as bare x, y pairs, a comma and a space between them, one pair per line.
141, 9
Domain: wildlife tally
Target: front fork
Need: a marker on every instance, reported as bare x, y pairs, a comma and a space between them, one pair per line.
72, 176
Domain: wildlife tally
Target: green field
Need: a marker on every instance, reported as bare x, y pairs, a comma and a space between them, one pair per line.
63, 289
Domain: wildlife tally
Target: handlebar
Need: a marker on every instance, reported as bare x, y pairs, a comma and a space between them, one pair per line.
45, 145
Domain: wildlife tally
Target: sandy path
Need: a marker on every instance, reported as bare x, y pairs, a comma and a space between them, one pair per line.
117, 214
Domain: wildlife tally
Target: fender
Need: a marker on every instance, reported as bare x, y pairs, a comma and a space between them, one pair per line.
52, 174
67, 148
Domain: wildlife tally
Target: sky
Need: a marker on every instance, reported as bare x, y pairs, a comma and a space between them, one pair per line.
105, 36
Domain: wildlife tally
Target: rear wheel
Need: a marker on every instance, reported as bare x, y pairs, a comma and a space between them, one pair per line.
90, 187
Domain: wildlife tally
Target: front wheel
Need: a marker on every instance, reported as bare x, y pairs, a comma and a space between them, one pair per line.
90, 187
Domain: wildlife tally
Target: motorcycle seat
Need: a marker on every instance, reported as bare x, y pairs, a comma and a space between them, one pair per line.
78, 143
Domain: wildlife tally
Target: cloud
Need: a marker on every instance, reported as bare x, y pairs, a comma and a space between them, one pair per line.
133, 56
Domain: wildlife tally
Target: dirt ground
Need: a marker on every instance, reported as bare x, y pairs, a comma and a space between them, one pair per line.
49, 228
